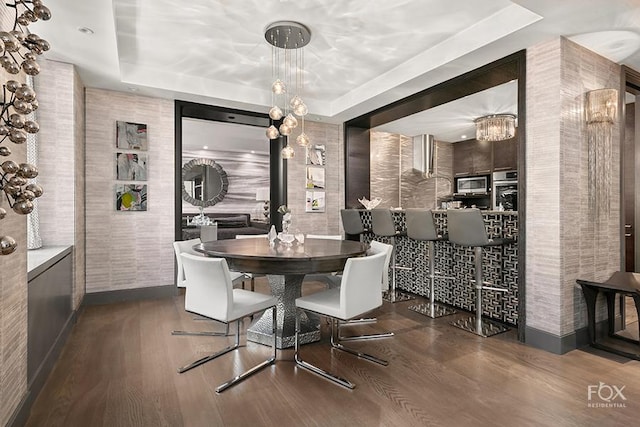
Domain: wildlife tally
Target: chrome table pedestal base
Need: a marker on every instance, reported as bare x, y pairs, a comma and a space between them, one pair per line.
286, 289
433, 311
485, 328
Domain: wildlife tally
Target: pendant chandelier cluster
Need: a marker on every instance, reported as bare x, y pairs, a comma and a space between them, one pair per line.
497, 127
287, 67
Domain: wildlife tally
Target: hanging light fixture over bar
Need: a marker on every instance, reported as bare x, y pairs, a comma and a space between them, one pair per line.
287, 63
497, 127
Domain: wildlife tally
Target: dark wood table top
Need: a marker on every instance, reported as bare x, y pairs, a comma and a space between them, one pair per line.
620, 281
256, 256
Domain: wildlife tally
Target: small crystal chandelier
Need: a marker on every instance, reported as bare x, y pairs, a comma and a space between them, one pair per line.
497, 127
287, 63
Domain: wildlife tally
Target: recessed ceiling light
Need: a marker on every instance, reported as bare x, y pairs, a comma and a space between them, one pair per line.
463, 136
86, 30
253, 152
205, 147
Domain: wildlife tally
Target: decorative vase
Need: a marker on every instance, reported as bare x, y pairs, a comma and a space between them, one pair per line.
286, 222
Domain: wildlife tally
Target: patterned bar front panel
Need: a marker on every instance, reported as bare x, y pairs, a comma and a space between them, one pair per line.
455, 265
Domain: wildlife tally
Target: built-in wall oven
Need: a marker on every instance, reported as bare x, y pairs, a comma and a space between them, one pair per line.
505, 191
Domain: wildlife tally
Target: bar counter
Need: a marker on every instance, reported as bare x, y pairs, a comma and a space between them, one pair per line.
500, 265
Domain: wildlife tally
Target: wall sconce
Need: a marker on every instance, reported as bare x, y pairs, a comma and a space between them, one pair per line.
601, 113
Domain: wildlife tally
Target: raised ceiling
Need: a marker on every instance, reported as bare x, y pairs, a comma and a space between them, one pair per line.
363, 54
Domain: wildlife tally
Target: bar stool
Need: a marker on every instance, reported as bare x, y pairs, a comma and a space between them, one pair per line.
352, 223
382, 226
466, 228
420, 226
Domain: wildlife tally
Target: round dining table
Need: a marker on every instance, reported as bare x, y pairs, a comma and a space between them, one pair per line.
285, 267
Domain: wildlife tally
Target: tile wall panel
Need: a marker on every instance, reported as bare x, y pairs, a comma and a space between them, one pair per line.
385, 163
61, 163
415, 190
597, 254
393, 173
13, 287
562, 242
543, 187
56, 152
327, 222
128, 249
79, 214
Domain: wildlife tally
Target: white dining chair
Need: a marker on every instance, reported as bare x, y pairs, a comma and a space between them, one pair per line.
334, 281
375, 247
186, 246
359, 293
210, 293
322, 277
252, 276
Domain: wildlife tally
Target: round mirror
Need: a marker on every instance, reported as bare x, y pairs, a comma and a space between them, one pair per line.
204, 182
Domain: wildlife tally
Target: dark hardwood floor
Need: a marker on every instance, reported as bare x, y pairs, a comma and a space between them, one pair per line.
118, 368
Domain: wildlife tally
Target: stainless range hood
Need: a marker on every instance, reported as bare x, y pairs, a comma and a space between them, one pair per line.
424, 154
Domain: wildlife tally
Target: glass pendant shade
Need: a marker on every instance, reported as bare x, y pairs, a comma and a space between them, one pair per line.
495, 127
272, 132
290, 121
285, 130
303, 139
300, 109
275, 113
287, 152
278, 87
296, 100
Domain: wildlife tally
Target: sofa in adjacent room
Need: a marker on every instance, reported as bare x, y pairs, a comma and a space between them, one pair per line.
229, 225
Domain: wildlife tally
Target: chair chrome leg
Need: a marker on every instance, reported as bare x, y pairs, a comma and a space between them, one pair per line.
308, 366
335, 343
244, 375
364, 320
367, 336
214, 355
203, 333
235, 380
361, 337
199, 334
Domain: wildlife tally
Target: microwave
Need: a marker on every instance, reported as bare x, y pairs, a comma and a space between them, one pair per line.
473, 184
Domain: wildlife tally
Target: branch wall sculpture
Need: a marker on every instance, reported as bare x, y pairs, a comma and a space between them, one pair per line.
19, 49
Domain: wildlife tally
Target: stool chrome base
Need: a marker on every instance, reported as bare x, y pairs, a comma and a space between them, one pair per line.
487, 327
396, 296
432, 310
